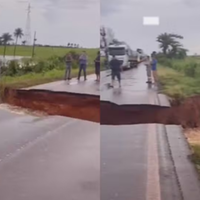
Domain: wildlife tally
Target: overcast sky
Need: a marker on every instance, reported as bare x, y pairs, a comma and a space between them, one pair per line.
125, 17
56, 21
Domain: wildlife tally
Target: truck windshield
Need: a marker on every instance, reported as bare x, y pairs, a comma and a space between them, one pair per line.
117, 51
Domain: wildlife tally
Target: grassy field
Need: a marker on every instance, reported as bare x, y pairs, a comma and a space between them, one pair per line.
45, 52
176, 84
32, 79
180, 78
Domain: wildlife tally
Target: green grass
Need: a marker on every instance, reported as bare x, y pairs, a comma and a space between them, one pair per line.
29, 80
196, 156
176, 84
36, 79
42, 53
45, 52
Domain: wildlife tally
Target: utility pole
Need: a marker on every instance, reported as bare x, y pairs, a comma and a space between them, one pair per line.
27, 34
34, 40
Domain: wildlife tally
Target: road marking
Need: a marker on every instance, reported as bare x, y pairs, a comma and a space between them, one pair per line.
153, 177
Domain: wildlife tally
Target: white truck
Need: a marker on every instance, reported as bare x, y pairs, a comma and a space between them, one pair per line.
123, 52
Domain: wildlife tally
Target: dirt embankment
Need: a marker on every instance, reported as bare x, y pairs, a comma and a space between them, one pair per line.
89, 107
186, 113
80, 106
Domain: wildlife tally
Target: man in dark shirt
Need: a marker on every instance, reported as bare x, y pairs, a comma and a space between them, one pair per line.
97, 66
115, 66
68, 61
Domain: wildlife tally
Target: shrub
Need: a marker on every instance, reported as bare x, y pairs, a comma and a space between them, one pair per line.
12, 69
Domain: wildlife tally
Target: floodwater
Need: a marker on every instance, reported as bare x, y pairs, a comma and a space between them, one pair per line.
8, 58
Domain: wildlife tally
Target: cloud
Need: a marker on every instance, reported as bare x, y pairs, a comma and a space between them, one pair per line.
56, 21
192, 3
175, 16
108, 7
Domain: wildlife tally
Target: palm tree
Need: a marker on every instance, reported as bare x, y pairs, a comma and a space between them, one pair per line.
168, 41
6, 37
18, 34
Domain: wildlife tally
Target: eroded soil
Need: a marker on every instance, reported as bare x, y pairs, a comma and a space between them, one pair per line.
80, 106
88, 107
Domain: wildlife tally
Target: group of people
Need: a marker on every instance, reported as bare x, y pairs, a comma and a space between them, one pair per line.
83, 63
115, 66
151, 67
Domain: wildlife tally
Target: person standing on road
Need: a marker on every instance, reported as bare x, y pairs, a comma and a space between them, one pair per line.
68, 61
83, 62
148, 69
115, 66
154, 68
97, 66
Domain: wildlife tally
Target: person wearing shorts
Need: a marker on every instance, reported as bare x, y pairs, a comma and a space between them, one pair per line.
115, 66
154, 69
148, 69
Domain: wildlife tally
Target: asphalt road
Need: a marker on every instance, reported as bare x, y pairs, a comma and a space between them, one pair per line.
83, 87
48, 158
137, 161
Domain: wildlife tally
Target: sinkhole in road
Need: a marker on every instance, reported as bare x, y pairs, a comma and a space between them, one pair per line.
89, 107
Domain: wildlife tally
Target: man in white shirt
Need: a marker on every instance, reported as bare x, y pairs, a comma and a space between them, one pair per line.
148, 68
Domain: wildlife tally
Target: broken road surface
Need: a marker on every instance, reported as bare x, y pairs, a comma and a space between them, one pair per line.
49, 157
143, 161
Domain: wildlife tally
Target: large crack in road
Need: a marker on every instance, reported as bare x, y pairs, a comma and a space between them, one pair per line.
89, 107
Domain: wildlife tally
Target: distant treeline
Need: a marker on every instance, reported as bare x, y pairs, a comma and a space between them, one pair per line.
45, 45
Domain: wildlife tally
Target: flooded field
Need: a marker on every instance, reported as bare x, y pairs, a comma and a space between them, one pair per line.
9, 58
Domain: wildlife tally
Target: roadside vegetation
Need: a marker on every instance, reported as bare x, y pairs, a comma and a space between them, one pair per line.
30, 72
179, 77
41, 63
178, 73
43, 52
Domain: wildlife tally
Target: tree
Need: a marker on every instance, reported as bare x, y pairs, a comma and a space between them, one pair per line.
18, 34
1, 41
6, 37
140, 51
110, 36
169, 44
104, 43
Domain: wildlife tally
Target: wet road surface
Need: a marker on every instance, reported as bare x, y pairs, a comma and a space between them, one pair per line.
48, 158
137, 162
82, 87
